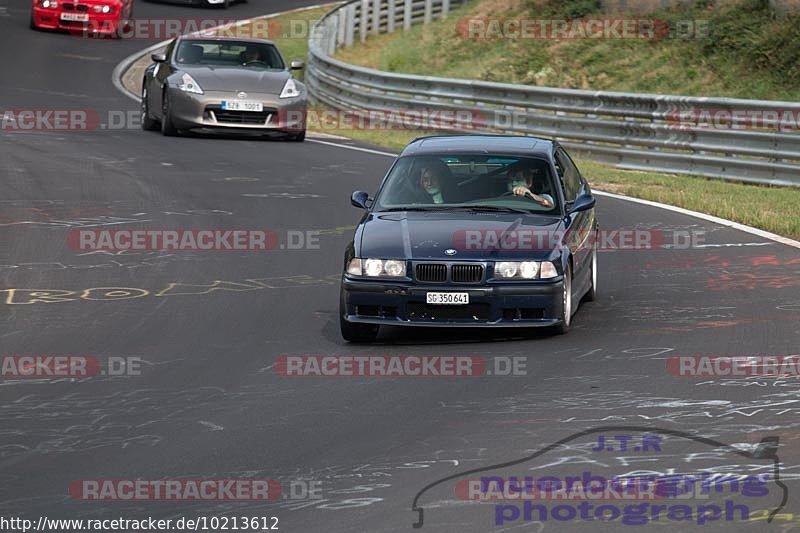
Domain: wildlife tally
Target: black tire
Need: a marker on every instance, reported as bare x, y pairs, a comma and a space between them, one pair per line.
566, 307
297, 137
168, 129
148, 123
32, 23
360, 333
591, 294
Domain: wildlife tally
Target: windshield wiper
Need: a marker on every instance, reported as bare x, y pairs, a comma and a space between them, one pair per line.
411, 208
477, 208
492, 208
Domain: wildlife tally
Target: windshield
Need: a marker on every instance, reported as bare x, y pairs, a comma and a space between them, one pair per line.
483, 182
229, 53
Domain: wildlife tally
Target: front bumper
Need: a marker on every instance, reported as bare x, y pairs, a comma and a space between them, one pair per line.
204, 111
403, 304
97, 23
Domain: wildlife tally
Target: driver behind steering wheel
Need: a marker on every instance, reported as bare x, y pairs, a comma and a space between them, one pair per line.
522, 178
251, 55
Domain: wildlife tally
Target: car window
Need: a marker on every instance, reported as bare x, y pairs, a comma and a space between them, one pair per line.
571, 177
467, 180
229, 53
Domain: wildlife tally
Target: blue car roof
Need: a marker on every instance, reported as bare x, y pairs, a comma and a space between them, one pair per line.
480, 144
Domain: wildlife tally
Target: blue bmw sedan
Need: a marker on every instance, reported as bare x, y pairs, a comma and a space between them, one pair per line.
471, 231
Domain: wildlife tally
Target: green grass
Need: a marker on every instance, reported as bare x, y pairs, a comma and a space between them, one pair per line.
770, 208
773, 209
747, 53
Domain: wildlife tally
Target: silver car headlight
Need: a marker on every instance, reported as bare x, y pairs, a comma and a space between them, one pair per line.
188, 85
48, 4
290, 89
374, 268
525, 270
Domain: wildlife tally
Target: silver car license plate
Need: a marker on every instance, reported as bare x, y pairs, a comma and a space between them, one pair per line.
447, 298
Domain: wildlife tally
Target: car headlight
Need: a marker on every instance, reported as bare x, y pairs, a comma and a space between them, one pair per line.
377, 268
102, 9
290, 89
528, 269
188, 85
48, 3
506, 269
525, 270
373, 267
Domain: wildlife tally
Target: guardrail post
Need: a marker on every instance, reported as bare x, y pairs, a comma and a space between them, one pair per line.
445, 8
341, 25
407, 15
390, 12
376, 17
363, 20
428, 11
333, 31
350, 24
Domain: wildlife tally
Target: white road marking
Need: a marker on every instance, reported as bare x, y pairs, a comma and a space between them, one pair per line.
710, 218
733, 244
357, 148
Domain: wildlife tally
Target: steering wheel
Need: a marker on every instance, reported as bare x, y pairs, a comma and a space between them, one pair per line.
252, 61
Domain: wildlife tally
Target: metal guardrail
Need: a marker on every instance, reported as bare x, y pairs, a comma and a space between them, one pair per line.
628, 130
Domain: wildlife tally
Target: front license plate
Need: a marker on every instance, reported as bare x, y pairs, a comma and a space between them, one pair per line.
242, 105
447, 298
75, 17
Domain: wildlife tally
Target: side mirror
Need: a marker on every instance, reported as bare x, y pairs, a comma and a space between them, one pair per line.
359, 199
583, 202
296, 65
159, 58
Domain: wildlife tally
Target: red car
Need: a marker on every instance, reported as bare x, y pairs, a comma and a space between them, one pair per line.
94, 17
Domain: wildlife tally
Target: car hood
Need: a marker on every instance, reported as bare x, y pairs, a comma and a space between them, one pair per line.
427, 235
234, 79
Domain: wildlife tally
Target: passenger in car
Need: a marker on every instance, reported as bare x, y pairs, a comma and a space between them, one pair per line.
191, 54
435, 180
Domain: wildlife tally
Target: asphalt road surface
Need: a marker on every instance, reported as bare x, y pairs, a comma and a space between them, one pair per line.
208, 327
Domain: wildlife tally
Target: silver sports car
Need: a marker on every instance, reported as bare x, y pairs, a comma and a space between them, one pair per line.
223, 84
